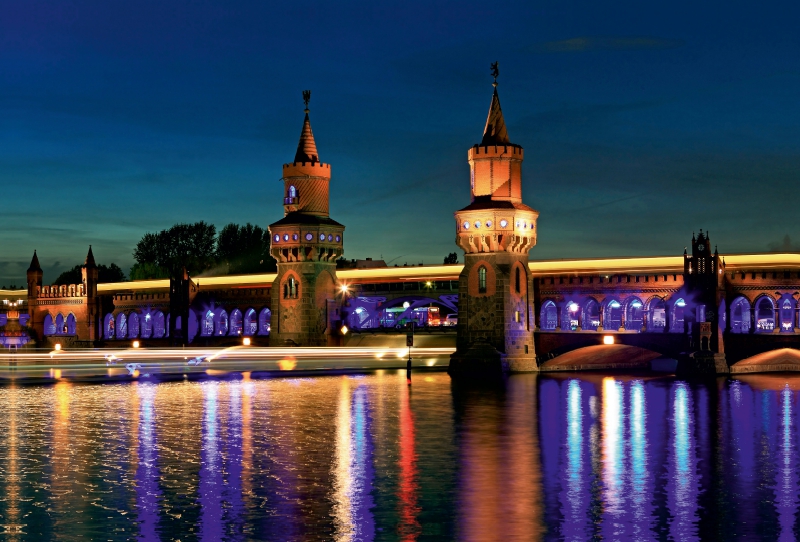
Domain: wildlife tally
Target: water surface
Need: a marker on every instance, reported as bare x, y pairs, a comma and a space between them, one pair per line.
565, 457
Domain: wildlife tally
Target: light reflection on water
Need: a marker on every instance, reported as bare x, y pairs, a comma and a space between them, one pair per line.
570, 457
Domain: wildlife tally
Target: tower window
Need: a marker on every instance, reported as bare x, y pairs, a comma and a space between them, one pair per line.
290, 288
481, 280
517, 281
291, 196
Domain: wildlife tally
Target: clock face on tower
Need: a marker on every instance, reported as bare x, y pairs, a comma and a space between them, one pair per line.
701, 247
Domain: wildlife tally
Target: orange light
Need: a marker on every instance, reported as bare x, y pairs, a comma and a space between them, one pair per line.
608, 339
344, 330
343, 288
246, 341
58, 346
136, 344
287, 364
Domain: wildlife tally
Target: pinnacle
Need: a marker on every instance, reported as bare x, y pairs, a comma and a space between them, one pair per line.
306, 148
495, 132
35, 263
90, 259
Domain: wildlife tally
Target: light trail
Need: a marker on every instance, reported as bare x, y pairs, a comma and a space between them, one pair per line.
146, 363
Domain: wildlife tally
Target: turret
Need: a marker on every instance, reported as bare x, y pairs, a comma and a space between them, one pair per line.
90, 274
34, 275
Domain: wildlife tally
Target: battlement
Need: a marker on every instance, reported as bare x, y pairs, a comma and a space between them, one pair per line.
496, 151
60, 291
307, 169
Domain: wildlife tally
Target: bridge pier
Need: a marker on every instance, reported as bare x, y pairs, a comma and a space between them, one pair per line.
702, 364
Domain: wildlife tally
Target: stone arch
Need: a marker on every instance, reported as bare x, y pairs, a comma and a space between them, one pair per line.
590, 317
133, 325
474, 282
786, 313
71, 324
677, 315
250, 322
740, 315
612, 313
146, 329
235, 323
60, 328
290, 285
634, 313
49, 325
159, 327
656, 308
221, 322
122, 326
548, 315
570, 314
264, 321
764, 310
207, 324
192, 326
108, 326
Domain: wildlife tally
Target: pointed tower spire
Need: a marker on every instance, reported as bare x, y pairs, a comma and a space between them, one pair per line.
307, 147
89, 259
495, 132
35, 263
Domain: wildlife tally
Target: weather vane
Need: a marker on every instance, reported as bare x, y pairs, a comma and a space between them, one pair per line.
495, 72
306, 98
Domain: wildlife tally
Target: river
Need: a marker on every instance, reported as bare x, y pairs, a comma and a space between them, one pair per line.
564, 457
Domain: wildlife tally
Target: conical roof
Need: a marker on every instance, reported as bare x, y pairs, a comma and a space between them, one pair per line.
306, 148
495, 132
89, 259
35, 263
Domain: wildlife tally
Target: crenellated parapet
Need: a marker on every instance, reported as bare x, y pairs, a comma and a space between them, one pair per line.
57, 291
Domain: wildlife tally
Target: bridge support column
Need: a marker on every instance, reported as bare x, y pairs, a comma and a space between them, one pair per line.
702, 365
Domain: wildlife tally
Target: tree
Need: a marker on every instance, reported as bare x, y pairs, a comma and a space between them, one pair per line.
244, 249
451, 258
147, 270
110, 273
183, 245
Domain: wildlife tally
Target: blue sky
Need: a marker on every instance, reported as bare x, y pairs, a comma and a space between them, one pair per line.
641, 122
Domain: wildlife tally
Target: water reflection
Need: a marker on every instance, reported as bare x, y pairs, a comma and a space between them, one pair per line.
570, 457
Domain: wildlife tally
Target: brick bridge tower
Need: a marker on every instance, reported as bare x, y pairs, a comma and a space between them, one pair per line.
306, 243
496, 231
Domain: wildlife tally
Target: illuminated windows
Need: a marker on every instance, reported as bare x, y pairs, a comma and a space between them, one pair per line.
290, 288
481, 280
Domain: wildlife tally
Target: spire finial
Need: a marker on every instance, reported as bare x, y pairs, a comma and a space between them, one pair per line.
495, 72
306, 98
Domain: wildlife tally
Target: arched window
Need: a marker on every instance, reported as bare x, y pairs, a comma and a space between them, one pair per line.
147, 326
549, 316
49, 326
517, 281
634, 315
70, 324
61, 328
250, 322
108, 326
291, 196
481, 280
613, 316
765, 315
787, 315
207, 327
159, 329
122, 326
222, 323
658, 315
264, 322
290, 288
570, 316
591, 315
678, 313
133, 325
740, 315
236, 322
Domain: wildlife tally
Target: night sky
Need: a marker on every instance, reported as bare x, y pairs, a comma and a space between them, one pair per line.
641, 122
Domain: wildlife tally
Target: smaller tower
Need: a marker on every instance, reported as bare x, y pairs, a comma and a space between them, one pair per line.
35, 275
496, 232
306, 243
89, 278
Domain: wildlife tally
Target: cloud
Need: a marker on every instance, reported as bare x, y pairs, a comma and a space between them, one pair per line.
784, 246
585, 43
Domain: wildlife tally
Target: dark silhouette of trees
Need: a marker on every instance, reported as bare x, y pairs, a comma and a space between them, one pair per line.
198, 247
451, 258
111, 273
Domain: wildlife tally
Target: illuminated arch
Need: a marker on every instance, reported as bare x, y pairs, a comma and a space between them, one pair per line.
133, 325
765, 314
786, 310
60, 329
264, 318
250, 326
570, 315
71, 324
656, 315
159, 327
221, 327
740, 315
677, 316
122, 326
207, 324
146, 330
108, 326
236, 322
49, 325
612, 314
481, 280
548, 316
634, 314
591, 315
